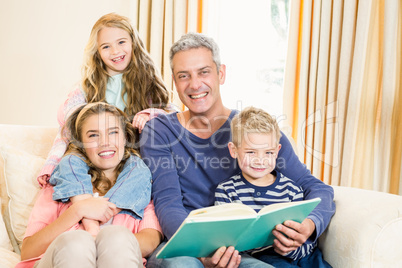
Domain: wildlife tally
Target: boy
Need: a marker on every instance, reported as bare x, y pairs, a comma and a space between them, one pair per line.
255, 145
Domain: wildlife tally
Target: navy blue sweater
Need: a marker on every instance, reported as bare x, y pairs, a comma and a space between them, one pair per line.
186, 170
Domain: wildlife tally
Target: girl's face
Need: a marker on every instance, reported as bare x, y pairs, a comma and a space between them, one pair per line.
114, 47
104, 140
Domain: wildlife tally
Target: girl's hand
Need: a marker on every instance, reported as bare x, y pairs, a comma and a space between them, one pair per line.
44, 181
140, 120
291, 235
96, 208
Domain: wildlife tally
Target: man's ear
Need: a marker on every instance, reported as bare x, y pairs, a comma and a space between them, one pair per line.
232, 149
222, 74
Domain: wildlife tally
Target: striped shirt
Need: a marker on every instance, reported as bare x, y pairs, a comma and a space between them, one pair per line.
238, 190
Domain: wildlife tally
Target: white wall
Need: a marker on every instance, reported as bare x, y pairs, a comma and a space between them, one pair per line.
41, 51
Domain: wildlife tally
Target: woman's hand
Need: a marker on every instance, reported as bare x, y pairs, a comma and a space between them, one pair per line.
223, 257
292, 235
96, 208
140, 120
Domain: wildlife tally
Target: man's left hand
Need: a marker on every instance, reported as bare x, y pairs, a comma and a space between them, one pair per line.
291, 235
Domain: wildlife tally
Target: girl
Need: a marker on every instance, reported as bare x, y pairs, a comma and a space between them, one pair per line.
118, 70
101, 136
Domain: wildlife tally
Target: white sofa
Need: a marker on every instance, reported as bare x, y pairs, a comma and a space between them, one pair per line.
366, 230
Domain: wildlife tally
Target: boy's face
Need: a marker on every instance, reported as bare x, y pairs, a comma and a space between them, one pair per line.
256, 155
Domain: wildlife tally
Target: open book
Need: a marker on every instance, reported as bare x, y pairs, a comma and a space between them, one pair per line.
207, 229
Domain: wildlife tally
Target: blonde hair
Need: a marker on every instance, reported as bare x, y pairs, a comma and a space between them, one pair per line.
253, 120
142, 83
73, 128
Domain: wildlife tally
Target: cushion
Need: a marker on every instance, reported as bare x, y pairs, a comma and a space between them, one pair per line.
8, 258
20, 171
4, 240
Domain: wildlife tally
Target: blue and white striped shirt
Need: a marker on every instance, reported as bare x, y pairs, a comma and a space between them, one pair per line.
238, 190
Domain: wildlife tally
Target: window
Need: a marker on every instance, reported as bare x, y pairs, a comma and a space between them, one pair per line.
252, 36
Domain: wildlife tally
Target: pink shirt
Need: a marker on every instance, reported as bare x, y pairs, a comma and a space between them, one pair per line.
46, 210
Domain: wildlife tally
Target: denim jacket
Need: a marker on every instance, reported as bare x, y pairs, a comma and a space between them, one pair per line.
131, 192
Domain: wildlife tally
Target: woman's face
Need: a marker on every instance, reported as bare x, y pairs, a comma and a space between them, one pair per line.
104, 141
114, 47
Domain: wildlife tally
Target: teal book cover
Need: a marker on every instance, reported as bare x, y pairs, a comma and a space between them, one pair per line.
207, 229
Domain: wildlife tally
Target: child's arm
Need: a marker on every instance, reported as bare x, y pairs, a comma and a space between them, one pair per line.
221, 195
132, 190
142, 117
75, 99
70, 178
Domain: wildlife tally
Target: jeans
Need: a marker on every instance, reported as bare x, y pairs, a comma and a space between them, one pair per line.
131, 192
315, 259
114, 246
190, 262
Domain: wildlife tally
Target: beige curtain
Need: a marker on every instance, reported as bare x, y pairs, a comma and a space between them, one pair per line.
343, 90
162, 22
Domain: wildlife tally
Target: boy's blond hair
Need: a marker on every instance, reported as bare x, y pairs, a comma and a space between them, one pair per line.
253, 120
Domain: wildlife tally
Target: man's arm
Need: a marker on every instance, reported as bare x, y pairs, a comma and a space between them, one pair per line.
289, 164
166, 190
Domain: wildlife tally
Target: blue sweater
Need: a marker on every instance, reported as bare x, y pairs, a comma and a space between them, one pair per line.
186, 170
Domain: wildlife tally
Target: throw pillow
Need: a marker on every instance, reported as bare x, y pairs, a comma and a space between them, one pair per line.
20, 171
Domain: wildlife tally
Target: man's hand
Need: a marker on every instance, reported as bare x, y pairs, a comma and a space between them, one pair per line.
223, 257
292, 235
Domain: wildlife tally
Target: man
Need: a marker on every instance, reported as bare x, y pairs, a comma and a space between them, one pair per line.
188, 156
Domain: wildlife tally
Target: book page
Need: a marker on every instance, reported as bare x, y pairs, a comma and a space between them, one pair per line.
235, 210
278, 206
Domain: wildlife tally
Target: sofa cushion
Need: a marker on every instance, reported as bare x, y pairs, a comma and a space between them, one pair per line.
4, 240
20, 171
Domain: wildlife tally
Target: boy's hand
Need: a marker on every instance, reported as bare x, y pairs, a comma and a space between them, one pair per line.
140, 120
223, 257
292, 235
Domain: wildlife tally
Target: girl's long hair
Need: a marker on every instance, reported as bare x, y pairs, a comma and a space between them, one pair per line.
72, 131
142, 82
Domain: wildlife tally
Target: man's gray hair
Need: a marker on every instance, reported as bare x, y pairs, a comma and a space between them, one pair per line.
195, 40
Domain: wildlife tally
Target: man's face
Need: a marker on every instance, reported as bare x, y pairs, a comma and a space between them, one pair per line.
197, 80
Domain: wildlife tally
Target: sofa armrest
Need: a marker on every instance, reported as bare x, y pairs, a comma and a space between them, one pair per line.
365, 230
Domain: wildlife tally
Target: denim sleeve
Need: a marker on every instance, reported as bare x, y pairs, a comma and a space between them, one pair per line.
70, 178
132, 190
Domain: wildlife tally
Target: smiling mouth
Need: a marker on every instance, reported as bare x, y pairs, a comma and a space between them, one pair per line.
118, 59
198, 96
106, 154
258, 168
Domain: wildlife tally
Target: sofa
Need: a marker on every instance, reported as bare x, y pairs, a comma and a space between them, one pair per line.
366, 230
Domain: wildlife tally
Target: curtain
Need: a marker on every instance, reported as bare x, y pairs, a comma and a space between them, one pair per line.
343, 90
162, 22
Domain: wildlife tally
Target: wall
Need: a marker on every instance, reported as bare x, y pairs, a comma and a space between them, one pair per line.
41, 51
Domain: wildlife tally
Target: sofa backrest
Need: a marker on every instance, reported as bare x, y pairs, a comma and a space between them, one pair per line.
23, 150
